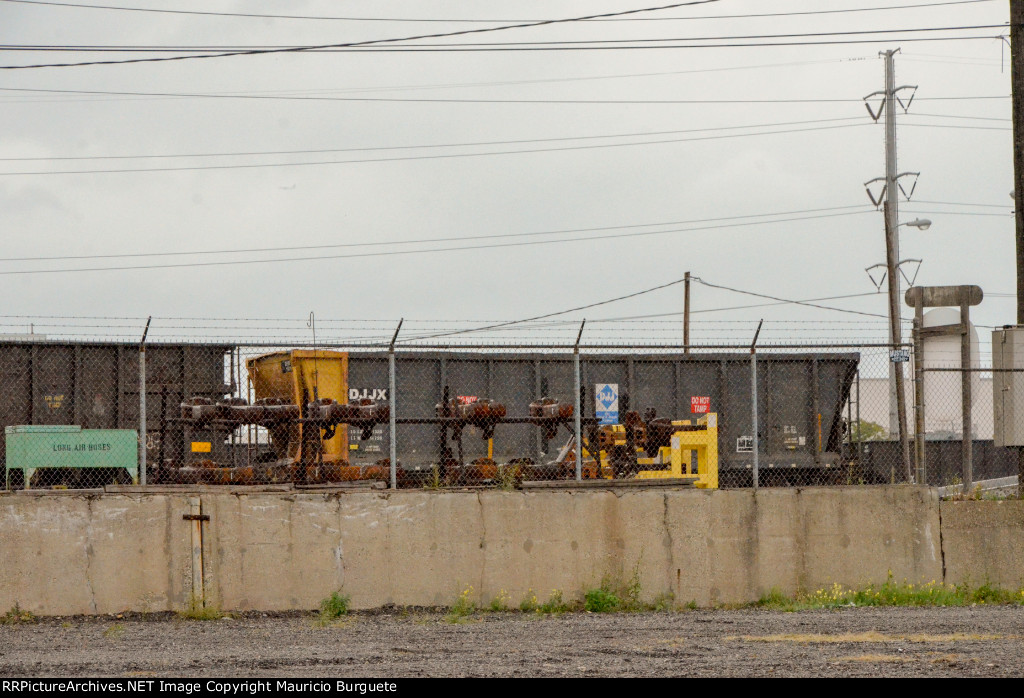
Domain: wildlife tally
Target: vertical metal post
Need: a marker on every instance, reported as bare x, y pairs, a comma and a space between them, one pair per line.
919, 423
967, 442
579, 406
686, 314
391, 408
753, 404
143, 437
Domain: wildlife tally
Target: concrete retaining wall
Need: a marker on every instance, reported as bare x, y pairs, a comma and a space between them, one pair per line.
984, 542
74, 554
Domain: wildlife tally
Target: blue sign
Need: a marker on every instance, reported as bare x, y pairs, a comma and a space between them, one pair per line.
606, 402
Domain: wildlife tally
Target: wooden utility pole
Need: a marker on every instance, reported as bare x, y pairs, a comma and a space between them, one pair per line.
1017, 85
1017, 73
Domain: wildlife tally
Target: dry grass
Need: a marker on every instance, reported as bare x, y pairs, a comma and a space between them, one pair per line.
871, 636
877, 658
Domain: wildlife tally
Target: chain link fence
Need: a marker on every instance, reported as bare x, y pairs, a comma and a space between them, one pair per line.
379, 413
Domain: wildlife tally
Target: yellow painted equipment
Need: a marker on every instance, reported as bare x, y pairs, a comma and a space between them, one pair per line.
679, 456
302, 376
671, 462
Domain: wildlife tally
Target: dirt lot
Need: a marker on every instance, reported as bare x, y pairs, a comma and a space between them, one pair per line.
978, 641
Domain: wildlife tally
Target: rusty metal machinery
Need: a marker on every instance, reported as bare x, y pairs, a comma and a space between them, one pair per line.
315, 424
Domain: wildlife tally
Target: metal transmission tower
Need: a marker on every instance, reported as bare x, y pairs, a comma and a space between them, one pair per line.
889, 201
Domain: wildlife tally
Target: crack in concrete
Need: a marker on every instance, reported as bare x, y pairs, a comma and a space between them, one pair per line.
483, 545
942, 544
89, 552
671, 546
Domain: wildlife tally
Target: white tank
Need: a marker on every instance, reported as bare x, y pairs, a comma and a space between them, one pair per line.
943, 389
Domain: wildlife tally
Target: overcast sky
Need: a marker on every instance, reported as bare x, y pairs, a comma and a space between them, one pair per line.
390, 130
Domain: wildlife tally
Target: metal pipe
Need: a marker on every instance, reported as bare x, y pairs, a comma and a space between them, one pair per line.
919, 423
393, 451
753, 402
967, 439
579, 406
143, 437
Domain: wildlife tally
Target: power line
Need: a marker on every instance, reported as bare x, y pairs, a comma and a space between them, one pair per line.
83, 48
441, 49
434, 240
456, 100
961, 116
422, 251
320, 151
479, 21
370, 42
392, 88
428, 157
784, 300
427, 146
547, 315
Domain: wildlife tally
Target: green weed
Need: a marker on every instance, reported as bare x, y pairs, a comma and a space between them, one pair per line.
555, 604
334, 607
114, 631
463, 607
500, 602
16, 616
197, 609
891, 593
529, 603
601, 600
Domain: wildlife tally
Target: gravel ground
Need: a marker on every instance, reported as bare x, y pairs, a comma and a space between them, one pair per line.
977, 641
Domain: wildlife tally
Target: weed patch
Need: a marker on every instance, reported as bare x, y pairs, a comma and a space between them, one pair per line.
891, 593
463, 607
601, 600
197, 610
114, 631
334, 607
555, 604
500, 602
17, 616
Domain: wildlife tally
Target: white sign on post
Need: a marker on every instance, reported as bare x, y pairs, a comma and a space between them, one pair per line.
606, 403
899, 356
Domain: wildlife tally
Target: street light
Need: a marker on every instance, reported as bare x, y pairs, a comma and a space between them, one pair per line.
919, 223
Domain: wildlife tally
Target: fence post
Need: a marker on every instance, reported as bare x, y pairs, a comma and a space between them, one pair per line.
143, 437
919, 423
579, 406
393, 463
967, 442
753, 400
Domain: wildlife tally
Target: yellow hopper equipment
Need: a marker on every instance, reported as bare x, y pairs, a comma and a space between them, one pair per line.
302, 376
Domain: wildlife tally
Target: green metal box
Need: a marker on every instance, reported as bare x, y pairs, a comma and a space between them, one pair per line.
30, 447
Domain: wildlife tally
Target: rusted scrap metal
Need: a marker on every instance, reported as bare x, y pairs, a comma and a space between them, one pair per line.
483, 413
549, 414
203, 411
362, 414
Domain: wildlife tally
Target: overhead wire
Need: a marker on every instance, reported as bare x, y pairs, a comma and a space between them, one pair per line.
292, 248
784, 300
319, 151
200, 50
459, 100
445, 156
406, 252
548, 315
479, 21
435, 35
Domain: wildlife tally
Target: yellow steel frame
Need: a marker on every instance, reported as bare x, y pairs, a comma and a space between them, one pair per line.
703, 442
